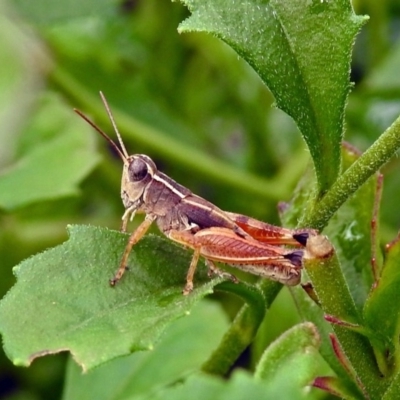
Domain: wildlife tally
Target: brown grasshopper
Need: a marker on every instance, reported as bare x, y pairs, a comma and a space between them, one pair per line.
216, 235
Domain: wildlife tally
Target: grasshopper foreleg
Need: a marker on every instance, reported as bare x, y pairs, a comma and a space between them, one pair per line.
136, 235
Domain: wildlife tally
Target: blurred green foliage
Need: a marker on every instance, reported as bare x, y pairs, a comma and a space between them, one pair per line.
198, 109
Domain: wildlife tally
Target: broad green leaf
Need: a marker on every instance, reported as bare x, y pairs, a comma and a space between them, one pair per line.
381, 311
182, 348
62, 300
56, 153
301, 50
292, 357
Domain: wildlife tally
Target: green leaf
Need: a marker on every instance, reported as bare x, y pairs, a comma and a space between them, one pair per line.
201, 387
56, 154
335, 299
321, 282
381, 311
64, 302
385, 78
310, 311
241, 385
45, 12
337, 387
341, 282
292, 357
393, 391
301, 50
350, 232
23, 63
245, 325
182, 348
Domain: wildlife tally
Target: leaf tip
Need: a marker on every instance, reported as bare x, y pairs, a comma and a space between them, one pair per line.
19, 362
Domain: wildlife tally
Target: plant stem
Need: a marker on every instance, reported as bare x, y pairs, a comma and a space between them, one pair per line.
354, 177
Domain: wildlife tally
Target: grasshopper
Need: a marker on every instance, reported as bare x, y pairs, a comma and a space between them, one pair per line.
194, 222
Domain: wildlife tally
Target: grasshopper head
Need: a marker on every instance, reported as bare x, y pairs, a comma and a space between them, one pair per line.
138, 170
137, 174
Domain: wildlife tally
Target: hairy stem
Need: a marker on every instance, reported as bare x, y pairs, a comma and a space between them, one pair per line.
354, 177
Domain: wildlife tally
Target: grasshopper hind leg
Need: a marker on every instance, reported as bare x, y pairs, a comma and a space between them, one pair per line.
295, 257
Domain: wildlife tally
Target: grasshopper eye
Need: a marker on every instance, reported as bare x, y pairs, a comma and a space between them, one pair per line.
138, 170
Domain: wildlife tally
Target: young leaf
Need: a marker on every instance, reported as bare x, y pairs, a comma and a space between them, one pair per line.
350, 232
301, 50
295, 353
381, 311
393, 391
337, 387
63, 300
245, 325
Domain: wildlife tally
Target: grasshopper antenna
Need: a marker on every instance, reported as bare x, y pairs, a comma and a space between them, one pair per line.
123, 154
121, 143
